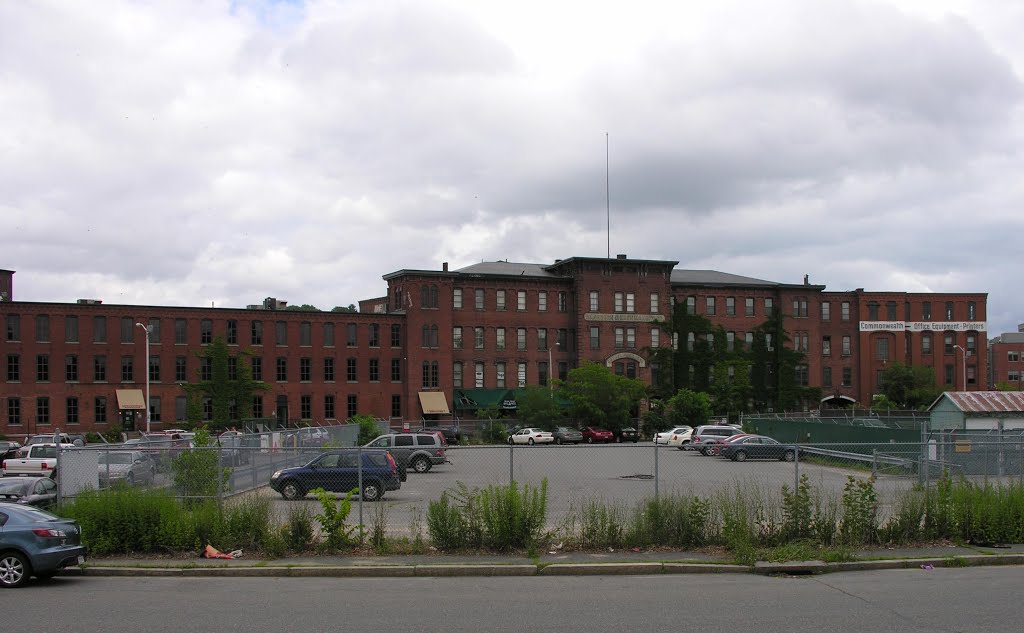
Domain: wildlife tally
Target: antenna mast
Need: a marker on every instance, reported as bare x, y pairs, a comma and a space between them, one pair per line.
607, 196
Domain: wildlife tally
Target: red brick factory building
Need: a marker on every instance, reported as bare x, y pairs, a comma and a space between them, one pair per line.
441, 342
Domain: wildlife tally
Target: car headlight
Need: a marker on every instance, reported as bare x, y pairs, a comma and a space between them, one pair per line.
277, 473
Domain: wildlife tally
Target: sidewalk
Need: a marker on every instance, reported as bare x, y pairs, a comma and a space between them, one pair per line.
569, 563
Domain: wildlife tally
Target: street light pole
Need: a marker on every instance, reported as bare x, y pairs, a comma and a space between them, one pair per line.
147, 329
963, 352
551, 383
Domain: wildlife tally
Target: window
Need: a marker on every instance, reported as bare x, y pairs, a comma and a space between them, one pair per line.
971, 375
542, 301
594, 301
769, 306
351, 373
375, 335
906, 310
1012, 357
329, 407
847, 376
655, 337
43, 329
846, 346
654, 303
99, 329
631, 338
396, 370
457, 337
826, 346
231, 332
802, 375
691, 305
521, 339
478, 338
542, 339
926, 311
949, 375
972, 342
351, 335
154, 369
374, 370
14, 327
180, 369
890, 311
256, 366
429, 336
478, 298
563, 302
430, 374
948, 343
844, 311
800, 307
99, 369
206, 331
396, 405
926, 343
499, 300
691, 339
1013, 375
619, 301
71, 329
972, 311
396, 335
730, 306
730, 341
826, 376
499, 374
280, 332
873, 311
478, 375
305, 369
949, 310
521, 375
428, 297
14, 411
826, 311
562, 339
127, 369
457, 374
256, 333
595, 337
620, 338
100, 410
748, 308
709, 306
882, 348
13, 368
329, 369
542, 373
42, 410
748, 340
42, 368
457, 298
521, 300
205, 369
282, 369
499, 336
305, 334
154, 409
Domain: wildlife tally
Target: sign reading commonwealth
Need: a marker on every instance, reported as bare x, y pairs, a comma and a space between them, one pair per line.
922, 326
628, 317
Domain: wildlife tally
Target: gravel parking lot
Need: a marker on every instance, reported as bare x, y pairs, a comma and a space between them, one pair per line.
622, 473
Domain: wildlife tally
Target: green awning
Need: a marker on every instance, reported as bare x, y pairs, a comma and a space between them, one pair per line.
474, 399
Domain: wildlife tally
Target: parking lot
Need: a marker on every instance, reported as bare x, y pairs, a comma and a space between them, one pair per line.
619, 473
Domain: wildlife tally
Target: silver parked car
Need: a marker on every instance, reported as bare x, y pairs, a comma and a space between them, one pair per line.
565, 435
128, 467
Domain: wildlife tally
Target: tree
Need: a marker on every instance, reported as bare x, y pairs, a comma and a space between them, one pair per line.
1004, 385
599, 397
230, 386
908, 387
305, 307
350, 308
537, 407
687, 408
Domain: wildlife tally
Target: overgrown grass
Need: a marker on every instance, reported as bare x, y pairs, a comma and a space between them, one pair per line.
498, 517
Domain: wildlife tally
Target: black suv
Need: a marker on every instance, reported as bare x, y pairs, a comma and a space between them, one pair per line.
338, 471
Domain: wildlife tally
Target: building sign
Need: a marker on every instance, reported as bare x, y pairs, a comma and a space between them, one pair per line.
628, 317
922, 326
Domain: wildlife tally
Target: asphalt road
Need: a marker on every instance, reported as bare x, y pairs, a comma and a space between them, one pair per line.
975, 600
621, 473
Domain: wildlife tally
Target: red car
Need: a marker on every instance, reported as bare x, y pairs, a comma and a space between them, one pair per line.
593, 434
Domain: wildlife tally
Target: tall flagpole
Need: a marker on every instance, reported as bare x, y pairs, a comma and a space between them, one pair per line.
607, 196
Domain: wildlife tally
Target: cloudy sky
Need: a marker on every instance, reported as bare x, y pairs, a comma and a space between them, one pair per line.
189, 153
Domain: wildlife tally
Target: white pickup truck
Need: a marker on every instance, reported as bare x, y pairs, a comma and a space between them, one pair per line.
41, 461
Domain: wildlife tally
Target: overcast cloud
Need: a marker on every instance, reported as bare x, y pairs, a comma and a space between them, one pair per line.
189, 153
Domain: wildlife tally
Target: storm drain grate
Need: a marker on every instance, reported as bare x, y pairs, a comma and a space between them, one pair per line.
636, 476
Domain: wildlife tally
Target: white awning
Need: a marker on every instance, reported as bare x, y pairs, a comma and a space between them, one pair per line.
434, 402
130, 400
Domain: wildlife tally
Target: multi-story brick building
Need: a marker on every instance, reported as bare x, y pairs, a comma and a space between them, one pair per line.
449, 341
1006, 359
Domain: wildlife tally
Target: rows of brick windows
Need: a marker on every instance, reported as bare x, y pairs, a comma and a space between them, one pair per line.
890, 311
496, 374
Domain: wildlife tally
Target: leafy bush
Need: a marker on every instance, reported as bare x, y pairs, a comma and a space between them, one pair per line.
297, 531
197, 471
499, 517
859, 524
368, 428
333, 519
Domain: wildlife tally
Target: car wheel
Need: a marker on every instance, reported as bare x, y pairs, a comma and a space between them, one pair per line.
510, 442
704, 452
14, 570
590, 440
789, 455
371, 491
530, 441
422, 464
558, 440
292, 491
130, 479
740, 456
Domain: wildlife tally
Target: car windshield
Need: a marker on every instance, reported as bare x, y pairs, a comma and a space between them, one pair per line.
115, 458
16, 486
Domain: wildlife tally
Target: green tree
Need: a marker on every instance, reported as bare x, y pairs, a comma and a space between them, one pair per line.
601, 398
537, 407
687, 408
305, 307
350, 308
369, 429
230, 387
1004, 385
774, 379
908, 387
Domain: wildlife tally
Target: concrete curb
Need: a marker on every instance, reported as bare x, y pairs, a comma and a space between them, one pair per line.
552, 569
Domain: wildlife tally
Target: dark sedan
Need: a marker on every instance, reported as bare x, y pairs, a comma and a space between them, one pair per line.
565, 435
36, 543
756, 447
627, 434
8, 449
34, 491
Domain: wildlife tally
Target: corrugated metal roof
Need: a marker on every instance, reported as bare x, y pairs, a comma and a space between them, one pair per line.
510, 269
1009, 337
716, 278
987, 401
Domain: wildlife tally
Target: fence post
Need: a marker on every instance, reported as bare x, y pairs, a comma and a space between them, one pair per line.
56, 471
220, 479
108, 469
657, 472
359, 456
511, 462
874, 462
796, 467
